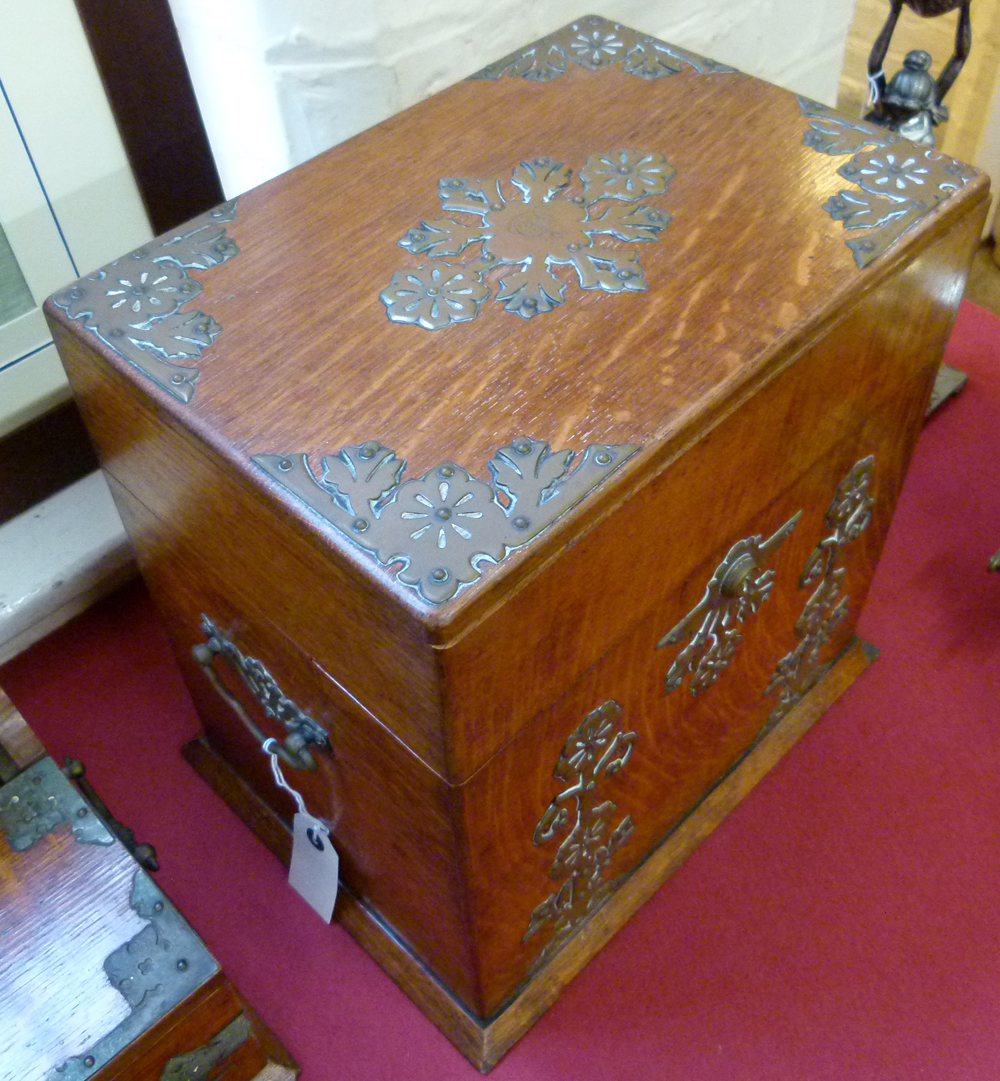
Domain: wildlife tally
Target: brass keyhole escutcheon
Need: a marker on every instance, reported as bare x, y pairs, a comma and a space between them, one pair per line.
734, 579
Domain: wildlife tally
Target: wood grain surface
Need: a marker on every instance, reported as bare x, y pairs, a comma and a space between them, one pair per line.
485, 1041
19, 747
758, 368
308, 362
64, 908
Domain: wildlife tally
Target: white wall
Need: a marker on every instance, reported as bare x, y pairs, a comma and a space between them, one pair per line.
282, 80
68, 202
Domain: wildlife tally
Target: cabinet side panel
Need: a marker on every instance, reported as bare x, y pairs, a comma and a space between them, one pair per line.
380, 654
390, 815
794, 448
637, 558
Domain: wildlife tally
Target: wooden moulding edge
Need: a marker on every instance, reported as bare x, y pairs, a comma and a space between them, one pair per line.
484, 1043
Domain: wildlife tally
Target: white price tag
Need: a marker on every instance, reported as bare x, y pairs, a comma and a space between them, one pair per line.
315, 864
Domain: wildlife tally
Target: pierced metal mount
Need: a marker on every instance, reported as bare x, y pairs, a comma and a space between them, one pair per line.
896, 182
599, 747
596, 43
550, 219
738, 587
442, 526
134, 305
847, 518
303, 731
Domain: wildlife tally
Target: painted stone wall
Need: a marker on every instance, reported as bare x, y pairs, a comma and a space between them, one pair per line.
282, 80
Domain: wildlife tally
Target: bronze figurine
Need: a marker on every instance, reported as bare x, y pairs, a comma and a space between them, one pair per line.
911, 103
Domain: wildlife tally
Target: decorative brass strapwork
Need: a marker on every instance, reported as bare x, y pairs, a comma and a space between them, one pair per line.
196, 1065
598, 748
896, 182
154, 971
848, 517
738, 587
158, 967
596, 43
551, 221
39, 800
444, 525
134, 304
303, 731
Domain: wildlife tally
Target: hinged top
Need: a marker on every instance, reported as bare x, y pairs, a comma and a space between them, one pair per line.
518, 291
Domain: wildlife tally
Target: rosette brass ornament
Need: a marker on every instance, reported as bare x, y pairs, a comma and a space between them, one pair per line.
442, 526
137, 305
848, 517
598, 748
594, 43
896, 182
738, 587
550, 220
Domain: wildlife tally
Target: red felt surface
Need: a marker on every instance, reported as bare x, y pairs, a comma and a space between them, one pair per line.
843, 924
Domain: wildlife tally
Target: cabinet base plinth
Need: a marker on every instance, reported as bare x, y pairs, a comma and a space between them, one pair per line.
484, 1041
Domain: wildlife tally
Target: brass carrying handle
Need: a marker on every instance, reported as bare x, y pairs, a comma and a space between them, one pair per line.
293, 752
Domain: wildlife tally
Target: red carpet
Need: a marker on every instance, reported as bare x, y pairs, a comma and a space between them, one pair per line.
842, 925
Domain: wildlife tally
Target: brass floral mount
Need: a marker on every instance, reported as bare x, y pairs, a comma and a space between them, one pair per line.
896, 182
848, 517
738, 587
134, 305
597, 748
595, 43
442, 526
552, 223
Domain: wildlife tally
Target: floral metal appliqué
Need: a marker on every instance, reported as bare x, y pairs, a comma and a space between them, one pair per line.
595, 44
847, 518
550, 220
739, 586
598, 748
440, 528
134, 305
896, 181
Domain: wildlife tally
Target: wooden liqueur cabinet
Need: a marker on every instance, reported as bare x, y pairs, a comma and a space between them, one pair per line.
523, 464
101, 978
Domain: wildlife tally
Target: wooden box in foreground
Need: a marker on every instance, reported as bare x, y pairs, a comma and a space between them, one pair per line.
523, 464
101, 978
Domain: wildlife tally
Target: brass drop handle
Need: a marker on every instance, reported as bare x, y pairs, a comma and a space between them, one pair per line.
303, 731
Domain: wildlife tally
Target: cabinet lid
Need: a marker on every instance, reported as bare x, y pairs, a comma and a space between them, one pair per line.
475, 323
